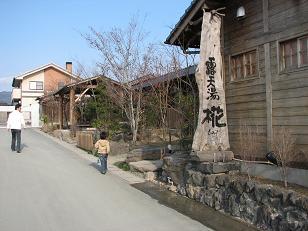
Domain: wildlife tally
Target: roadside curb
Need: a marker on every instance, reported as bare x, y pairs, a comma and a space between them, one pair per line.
112, 169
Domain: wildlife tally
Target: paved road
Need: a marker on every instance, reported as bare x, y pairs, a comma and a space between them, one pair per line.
48, 187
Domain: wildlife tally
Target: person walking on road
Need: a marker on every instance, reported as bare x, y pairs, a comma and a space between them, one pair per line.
15, 123
103, 147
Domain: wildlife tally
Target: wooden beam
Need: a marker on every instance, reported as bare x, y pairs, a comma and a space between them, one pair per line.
72, 110
196, 22
181, 28
265, 16
191, 52
61, 112
197, 34
81, 95
268, 80
91, 86
269, 96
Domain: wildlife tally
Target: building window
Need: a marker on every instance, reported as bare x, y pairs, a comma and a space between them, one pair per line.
293, 53
303, 51
60, 85
244, 65
36, 85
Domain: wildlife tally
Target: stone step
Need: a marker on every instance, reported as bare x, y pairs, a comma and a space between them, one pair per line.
147, 153
146, 165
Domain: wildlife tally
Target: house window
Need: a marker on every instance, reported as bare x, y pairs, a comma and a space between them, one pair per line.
36, 85
293, 53
244, 65
303, 51
60, 85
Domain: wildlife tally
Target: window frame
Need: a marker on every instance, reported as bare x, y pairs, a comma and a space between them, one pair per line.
281, 59
36, 86
298, 48
61, 84
244, 53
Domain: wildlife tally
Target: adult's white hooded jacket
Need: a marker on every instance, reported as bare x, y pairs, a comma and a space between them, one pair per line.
15, 120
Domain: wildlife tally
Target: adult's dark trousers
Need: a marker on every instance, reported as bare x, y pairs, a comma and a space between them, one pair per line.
16, 139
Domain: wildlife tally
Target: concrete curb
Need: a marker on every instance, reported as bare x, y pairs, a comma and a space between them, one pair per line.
112, 169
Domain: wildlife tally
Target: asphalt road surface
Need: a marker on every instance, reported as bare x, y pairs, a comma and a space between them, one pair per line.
48, 187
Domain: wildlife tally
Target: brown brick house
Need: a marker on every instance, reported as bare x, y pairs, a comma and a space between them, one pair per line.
36, 83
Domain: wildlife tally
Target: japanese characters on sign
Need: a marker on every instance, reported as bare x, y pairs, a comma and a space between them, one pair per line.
210, 71
215, 113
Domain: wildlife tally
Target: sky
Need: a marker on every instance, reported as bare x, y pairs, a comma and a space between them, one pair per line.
38, 32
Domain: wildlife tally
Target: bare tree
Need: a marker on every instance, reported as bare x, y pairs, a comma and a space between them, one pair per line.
170, 80
165, 68
250, 145
284, 149
125, 58
189, 61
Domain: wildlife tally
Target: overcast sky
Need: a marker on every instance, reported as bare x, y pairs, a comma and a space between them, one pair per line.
37, 32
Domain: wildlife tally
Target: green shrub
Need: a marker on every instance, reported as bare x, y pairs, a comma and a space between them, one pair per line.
122, 165
44, 119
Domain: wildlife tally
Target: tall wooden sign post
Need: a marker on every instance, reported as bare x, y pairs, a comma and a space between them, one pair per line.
211, 141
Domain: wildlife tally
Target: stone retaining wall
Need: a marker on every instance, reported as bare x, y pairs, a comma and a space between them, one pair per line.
266, 206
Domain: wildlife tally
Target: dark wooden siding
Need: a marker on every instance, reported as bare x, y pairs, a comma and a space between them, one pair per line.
246, 99
289, 19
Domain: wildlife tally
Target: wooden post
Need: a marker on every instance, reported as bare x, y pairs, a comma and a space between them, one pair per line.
268, 80
52, 106
211, 140
61, 111
72, 111
269, 107
265, 16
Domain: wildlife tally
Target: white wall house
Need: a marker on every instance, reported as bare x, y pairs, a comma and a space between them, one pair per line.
4, 113
36, 83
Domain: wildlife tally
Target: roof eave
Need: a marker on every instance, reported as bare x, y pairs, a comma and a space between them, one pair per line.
173, 37
187, 31
16, 82
20, 77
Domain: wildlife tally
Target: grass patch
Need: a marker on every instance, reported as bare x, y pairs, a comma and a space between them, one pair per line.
122, 165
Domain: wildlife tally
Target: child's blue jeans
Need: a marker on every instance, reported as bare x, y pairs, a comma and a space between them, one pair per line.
103, 160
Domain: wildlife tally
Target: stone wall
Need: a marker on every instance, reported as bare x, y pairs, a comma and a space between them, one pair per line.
266, 206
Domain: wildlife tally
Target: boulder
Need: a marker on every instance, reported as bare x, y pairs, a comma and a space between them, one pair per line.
193, 192
209, 181
174, 166
195, 178
145, 153
150, 176
146, 165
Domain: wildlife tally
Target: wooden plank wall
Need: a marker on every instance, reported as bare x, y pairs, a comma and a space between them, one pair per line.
290, 89
246, 99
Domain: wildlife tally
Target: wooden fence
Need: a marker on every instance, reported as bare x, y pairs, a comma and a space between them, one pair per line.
85, 140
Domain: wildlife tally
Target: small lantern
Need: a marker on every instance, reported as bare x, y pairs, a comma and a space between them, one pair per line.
240, 13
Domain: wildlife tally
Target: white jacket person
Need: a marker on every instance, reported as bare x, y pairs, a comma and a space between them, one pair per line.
16, 120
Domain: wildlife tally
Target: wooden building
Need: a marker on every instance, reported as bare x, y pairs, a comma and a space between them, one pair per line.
265, 44
60, 106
